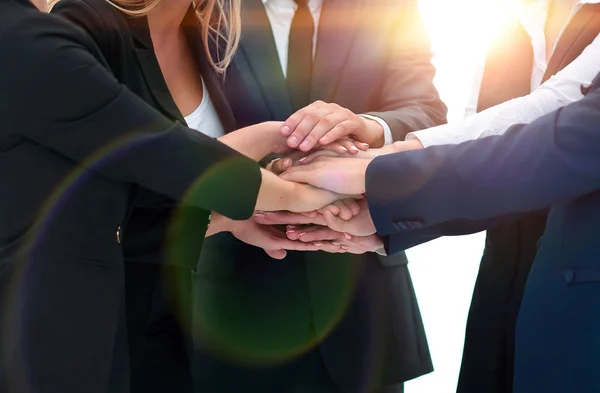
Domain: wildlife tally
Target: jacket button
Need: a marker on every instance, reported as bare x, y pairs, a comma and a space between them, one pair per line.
569, 276
119, 235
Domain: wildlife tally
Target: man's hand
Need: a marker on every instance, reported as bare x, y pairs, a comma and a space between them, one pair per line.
322, 123
360, 224
338, 174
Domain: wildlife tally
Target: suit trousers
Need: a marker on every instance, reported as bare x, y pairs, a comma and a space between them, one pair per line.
158, 323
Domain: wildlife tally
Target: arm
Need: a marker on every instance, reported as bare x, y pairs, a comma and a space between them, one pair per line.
562, 89
408, 100
553, 160
83, 114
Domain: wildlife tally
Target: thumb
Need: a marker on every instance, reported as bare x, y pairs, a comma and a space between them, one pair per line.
333, 222
279, 166
276, 254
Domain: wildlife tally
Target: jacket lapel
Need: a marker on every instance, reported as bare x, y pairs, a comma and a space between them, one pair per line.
580, 32
257, 45
211, 79
335, 36
153, 76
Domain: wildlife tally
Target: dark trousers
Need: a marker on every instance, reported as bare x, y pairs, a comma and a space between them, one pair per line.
158, 324
307, 374
489, 352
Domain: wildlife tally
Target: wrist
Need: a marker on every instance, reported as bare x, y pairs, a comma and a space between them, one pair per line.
374, 134
411, 144
217, 224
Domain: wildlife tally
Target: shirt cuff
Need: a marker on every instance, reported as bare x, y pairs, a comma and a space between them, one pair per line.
387, 131
440, 135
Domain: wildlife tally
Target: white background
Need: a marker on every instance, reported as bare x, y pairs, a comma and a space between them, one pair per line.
444, 270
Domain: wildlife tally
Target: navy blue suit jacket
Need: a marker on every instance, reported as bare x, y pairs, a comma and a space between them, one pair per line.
551, 163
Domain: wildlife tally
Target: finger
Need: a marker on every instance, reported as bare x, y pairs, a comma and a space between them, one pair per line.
316, 234
329, 247
338, 148
299, 174
292, 122
334, 208
276, 254
361, 146
353, 205
340, 130
293, 232
321, 127
292, 245
333, 222
349, 145
284, 218
306, 125
280, 165
345, 211
327, 151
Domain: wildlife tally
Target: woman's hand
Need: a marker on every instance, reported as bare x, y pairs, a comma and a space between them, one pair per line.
359, 225
321, 236
338, 174
277, 194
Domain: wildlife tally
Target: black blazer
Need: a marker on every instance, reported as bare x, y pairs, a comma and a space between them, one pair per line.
359, 312
74, 147
153, 234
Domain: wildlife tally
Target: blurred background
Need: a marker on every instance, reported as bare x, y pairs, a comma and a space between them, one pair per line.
444, 270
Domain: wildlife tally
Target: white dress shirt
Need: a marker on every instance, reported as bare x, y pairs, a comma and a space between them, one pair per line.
560, 90
280, 14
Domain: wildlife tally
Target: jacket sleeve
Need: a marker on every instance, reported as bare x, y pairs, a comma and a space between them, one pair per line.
408, 101
550, 161
61, 96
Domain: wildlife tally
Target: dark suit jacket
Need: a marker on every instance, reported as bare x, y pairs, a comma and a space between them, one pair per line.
359, 312
511, 247
564, 176
74, 147
157, 301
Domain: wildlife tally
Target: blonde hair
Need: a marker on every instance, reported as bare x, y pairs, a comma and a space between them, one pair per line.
220, 21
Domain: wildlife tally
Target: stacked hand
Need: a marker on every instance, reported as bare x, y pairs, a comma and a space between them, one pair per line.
328, 154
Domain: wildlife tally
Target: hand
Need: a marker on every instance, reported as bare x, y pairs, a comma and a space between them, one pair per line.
338, 174
273, 241
322, 123
359, 225
321, 236
299, 158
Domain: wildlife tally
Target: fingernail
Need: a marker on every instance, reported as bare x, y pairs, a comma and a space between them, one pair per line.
336, 244
344, 149
305, 145
354, 149
366, 145
285, 130
290, 232
317, 244
302, 234
347, 236
293, 140
302, 159
291, 227
287, 163
259, 214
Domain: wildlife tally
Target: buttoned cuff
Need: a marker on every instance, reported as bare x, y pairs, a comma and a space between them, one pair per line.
387, 131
